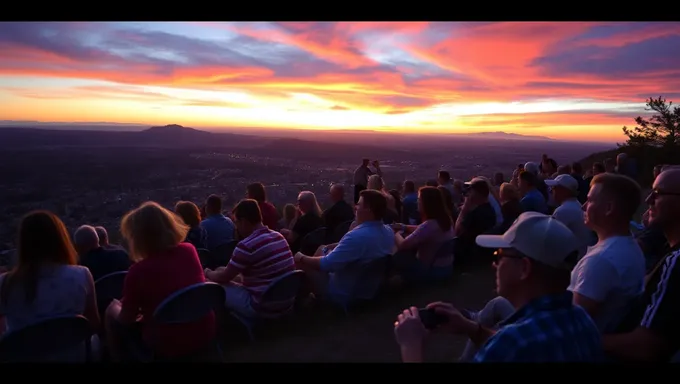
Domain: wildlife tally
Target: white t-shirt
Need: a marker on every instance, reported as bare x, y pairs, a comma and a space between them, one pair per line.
571, 214
612, 272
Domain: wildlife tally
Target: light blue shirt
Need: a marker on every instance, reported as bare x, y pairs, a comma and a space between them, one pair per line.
534, 201
219, 230
346, 263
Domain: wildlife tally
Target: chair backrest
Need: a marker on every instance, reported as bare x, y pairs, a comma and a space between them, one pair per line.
313, 240
110, 286
284, 288
43, 340
341, 230
190, 304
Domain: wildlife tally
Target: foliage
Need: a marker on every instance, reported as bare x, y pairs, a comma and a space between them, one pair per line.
661, 130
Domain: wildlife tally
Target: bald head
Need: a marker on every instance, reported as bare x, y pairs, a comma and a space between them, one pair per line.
337, 192
664, 203
86, 239
103, 236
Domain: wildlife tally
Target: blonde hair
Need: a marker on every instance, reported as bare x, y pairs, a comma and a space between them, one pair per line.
311, 197
508, 192
492, 191
375, 182
151, 229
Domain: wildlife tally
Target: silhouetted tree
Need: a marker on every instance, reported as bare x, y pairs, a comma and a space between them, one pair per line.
660, 130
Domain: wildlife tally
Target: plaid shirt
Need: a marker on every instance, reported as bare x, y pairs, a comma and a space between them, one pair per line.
548, 329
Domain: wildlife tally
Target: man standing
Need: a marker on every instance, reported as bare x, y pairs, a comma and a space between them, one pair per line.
361, 175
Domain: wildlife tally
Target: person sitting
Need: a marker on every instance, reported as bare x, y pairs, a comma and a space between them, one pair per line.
46, 282
448, 202
190, 214
425, 239
103, 236
99, 260
510, 208
165, 265
649, 332
270, 216
535, 257
409, 204
290, 214
309, 220
532, 199
258, 260
336, 273
564, 189
376, 183
609, 279
219, 228
338, 213
476, 217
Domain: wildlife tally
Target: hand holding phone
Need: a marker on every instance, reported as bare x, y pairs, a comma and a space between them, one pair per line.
431, 319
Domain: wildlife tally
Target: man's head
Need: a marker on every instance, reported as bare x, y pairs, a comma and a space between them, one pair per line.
564, 187
527, 181
85, 239
103, 236
337, 193
372, 206
409, 187
612, 201
256, 192
535, 257
443, 177
657, 170
247, 217
664, 200
564, 169
508, 192
213, 205
598, 168
531, 167
577, 169
478, 191
365, 162
307, 202
621, 159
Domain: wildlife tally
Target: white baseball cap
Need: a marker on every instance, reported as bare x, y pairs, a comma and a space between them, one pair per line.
564, 181
539, 237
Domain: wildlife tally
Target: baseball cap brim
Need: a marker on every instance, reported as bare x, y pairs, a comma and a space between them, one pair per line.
492, 241
551, 182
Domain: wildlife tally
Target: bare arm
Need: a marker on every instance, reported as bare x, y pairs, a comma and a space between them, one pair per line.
591, 306
222, 276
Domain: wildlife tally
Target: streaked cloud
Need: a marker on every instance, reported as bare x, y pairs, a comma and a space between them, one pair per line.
572, 80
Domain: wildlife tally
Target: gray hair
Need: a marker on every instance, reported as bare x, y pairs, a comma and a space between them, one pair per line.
531, 167
102, 234
86, 236
311, 197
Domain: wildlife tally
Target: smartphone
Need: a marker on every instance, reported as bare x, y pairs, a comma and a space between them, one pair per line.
430, 318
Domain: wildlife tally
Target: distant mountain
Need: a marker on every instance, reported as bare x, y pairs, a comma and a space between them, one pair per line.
175, 129
508, 136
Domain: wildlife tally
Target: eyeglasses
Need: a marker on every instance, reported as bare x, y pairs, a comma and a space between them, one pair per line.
656, 193
507, 252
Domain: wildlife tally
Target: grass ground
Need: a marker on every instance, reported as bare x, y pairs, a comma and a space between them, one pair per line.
320, 335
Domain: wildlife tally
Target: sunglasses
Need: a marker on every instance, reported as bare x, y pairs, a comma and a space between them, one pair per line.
507, 252
656, 193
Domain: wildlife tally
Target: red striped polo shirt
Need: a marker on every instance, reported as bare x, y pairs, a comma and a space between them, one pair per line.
261, 258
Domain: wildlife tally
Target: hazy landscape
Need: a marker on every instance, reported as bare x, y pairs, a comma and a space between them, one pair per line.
95, 175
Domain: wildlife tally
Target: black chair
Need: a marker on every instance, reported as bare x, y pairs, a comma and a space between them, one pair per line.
313, 240
222, 253
279, 297
48, 341
340, 231
379, 267
109, 287
191, 304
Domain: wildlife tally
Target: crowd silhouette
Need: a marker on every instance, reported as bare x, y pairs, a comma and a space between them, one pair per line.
578, 279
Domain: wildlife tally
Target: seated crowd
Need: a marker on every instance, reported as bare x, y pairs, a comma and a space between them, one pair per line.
573, 282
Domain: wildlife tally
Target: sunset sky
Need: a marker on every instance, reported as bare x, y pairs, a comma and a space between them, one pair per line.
564, 80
